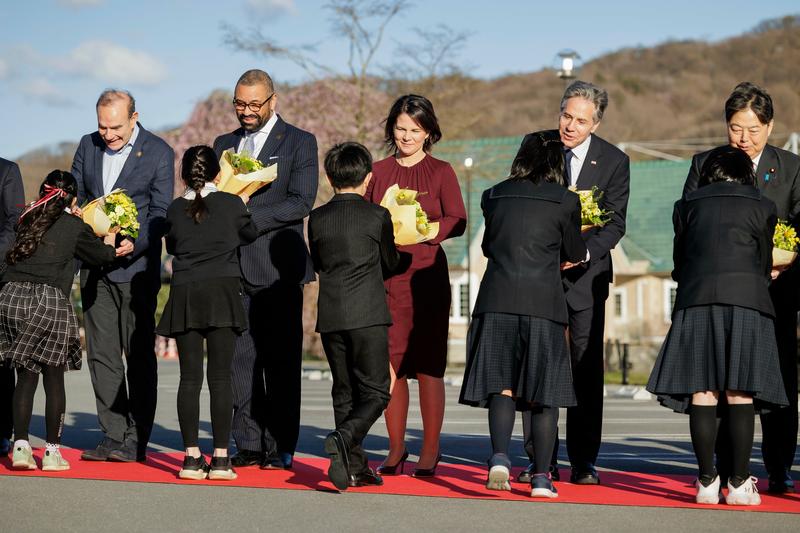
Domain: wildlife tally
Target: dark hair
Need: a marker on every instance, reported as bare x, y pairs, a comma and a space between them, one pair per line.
420, 109
256, 77
748, 95
33, 224
347, 164
198, 166
540, 158
727, 163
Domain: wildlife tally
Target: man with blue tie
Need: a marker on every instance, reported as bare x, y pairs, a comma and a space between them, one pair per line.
266, 368
590, 161
119, 301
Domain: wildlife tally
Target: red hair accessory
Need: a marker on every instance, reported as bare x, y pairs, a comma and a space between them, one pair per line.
50, 192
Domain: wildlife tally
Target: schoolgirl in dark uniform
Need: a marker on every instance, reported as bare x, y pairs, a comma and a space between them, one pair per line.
38, 327
205, 229
518, 357
721, 345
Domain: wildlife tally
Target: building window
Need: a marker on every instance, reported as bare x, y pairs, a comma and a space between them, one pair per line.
670, 293
620, 300
463, 300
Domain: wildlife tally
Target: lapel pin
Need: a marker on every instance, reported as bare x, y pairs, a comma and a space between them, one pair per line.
592, 162
139, 153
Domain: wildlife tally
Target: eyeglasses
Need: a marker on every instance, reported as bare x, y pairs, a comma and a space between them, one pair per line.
255, 107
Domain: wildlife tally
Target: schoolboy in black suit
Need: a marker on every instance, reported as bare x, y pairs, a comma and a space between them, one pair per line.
352, 247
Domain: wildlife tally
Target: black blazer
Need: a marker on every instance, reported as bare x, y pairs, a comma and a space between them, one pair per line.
208, 249
530, 229
607, 168
280, 252
352, 246
723, 247
12, 200
53, 262
147, 178
778, 176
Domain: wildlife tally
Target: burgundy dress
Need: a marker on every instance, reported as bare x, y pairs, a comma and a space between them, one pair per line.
419, 295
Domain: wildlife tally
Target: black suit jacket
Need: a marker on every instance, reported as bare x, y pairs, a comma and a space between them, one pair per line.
12, 200
147, 178
723, 247
778, 178
352, 246
280, 252
607, 168
529, 230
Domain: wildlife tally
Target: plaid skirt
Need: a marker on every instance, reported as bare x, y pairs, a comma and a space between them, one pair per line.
718, 348
525, 354
38, 327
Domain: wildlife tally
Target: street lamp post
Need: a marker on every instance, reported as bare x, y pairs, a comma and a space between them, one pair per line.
569, 63
468, 162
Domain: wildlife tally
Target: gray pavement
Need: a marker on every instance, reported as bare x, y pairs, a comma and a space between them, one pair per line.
638, 436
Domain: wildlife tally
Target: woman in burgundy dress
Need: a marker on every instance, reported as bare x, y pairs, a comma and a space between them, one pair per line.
419, 296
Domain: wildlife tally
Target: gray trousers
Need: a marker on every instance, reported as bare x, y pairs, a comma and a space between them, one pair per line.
120, 320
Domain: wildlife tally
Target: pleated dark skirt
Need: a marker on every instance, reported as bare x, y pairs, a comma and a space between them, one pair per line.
525, 354
718, 348
38, 327
211, 303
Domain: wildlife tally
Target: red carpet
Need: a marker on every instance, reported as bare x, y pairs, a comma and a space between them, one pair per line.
452, 481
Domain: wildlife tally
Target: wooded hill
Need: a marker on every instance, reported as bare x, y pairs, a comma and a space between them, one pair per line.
675, 90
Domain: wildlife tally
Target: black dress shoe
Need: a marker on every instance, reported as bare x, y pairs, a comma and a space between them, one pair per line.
5, 447
247, 458
127, 453
367, 478
106, 446
336, 449
584, 475
781, 483
527, 475
277, 461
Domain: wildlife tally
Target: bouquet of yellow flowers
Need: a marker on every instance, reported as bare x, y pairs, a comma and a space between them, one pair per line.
242, 174
784, 242
112, 213
411, 225
592, 215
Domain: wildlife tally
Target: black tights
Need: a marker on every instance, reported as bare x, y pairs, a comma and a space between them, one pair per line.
55, 402
703, 427
220, 343
544, 422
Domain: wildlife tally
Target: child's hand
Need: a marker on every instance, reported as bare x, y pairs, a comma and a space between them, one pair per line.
245, 197
110, 239
75, 210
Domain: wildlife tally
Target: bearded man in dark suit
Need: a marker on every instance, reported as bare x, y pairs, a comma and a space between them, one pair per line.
590, 162
267, 361
749, 117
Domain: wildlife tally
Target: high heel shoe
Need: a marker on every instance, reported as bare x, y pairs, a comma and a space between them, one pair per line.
391, 470
428, 472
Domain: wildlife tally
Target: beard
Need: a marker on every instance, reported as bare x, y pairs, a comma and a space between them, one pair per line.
252, 126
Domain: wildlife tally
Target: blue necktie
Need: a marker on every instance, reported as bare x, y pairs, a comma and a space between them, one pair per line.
568, 165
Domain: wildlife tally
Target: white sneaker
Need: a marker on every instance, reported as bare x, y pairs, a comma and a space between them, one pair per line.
53, 462
498, 478
744, 494
707, 495
22, 458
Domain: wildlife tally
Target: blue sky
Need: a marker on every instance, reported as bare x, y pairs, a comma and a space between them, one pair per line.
57, 55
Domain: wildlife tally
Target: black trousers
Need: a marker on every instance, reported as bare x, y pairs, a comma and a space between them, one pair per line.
359, 361
120, 320
267, 370
584, 421
6, 400
220, 343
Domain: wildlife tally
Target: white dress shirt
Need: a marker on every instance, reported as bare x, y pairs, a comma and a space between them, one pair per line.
259, 137
114, 161
578, 157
